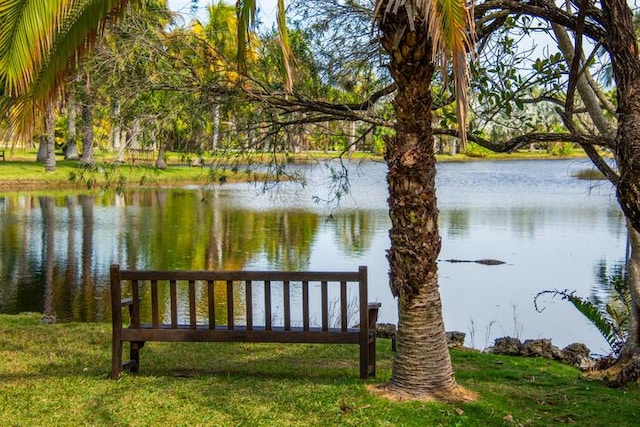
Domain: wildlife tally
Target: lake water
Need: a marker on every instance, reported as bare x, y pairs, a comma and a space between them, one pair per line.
551, 230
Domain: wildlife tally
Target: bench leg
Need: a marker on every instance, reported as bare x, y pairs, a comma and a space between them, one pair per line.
371, 368
364, 361
116, 359
134, 355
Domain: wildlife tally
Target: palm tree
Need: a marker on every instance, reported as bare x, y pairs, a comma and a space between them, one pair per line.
416, 34
422, 366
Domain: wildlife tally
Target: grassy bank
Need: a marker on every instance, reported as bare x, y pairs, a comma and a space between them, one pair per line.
23, 174
57, 375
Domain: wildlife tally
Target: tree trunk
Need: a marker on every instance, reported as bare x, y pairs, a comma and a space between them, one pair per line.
50, 144
585, 90
87, 133
135, 134
623, 49
632, 345
422, 366
160, 162
87, 125
41, 156
71, 152
216, 128
115, 135
352, 138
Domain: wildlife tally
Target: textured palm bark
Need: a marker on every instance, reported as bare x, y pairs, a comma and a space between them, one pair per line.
422, 366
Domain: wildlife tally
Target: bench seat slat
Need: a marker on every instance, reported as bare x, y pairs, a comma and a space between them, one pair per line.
258, 334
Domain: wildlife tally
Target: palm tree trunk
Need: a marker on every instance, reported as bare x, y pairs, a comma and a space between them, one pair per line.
71, 152
87, 123
50, 147
422, 366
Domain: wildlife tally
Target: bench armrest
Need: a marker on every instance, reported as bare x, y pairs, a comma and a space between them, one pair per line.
372, 309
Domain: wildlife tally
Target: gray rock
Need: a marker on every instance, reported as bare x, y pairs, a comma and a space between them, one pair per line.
578, 355
386, 330
507, 346
541, 348
455, 339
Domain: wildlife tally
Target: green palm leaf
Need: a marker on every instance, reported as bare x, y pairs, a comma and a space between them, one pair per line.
40, 43
595, 316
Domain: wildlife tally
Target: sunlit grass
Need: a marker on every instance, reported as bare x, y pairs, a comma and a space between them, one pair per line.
24, 174
57, 375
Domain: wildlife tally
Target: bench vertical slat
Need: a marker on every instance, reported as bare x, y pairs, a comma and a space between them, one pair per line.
364, 324
267, 305
305, 305
287, 305
155, 316
343, 306
192, 305
230, 316
211, 303
325, 305
135, 311
249, 304
116, 322
173, 293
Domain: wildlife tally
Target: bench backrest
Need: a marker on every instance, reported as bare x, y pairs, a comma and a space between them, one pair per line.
195, 299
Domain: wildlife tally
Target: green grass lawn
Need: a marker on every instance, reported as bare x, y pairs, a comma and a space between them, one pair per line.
57, 375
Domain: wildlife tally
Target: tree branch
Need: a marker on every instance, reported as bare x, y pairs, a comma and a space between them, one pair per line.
522, 140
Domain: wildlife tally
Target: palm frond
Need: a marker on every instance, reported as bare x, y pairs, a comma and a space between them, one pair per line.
40, 43
246, 10
26, 37
592, 312
285, 46
450, 26
608, 327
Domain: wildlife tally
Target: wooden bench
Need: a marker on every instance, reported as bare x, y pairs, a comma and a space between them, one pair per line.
240, 306
145, 155
2, 150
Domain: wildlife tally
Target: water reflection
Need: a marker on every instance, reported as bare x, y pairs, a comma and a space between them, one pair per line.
550, 229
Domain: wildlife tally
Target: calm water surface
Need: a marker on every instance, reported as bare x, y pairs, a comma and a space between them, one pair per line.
553, 232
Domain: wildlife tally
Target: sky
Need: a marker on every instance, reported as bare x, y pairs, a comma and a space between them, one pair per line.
267, 9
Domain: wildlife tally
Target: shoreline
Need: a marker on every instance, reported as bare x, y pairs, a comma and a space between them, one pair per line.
19, 174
